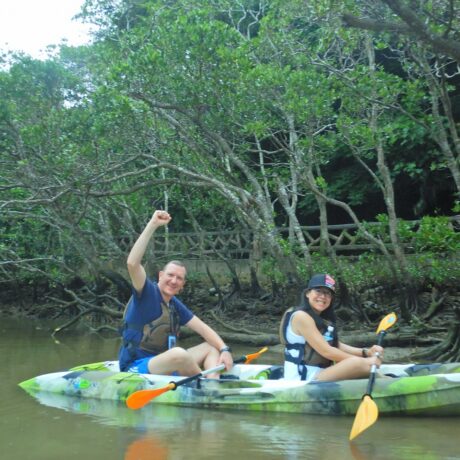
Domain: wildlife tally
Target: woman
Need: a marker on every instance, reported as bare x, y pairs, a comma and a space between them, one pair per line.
311, 341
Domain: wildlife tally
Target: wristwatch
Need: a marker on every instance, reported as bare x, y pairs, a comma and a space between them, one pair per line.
226, 348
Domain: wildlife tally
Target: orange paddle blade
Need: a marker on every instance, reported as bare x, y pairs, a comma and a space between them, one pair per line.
140, 398
365, 417
253, 356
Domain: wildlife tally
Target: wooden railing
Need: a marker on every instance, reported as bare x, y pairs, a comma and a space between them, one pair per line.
344, 238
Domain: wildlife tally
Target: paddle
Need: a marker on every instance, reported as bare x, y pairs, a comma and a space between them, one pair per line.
368, 411
140, 398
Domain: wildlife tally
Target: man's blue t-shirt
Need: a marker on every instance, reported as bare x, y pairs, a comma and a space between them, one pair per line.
142, 309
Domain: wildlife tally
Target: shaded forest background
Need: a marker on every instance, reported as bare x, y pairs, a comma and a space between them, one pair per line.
259, 116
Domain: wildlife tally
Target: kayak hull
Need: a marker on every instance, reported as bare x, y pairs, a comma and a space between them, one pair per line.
413, 390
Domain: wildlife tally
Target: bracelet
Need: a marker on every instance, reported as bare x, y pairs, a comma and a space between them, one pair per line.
226, 348
364, 352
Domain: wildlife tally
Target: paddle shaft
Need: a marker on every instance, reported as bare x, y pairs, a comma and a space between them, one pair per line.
218, 368
372, 374
368, 411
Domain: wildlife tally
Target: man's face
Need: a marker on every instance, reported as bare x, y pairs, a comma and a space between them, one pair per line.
171, 280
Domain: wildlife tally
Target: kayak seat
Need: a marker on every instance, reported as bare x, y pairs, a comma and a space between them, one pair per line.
228, 377
423, 369
272, 373
276, 372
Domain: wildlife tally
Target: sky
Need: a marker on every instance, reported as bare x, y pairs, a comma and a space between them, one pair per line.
31, 25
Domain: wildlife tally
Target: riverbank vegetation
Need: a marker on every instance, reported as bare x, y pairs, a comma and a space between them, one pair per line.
262, 116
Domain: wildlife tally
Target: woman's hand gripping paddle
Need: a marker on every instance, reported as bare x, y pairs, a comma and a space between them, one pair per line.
140, 398
368, 411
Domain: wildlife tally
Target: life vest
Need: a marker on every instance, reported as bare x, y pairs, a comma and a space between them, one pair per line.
158, 335
306, 354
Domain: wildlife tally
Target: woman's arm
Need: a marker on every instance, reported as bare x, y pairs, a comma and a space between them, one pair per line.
352, 350
363, 352
303, 324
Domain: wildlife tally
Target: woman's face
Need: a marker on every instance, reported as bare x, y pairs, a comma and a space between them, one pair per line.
319, 298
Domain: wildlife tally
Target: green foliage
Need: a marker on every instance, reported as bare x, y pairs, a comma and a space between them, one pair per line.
368, 270
371, 270
270, 268
435, 269
436, 235
320, 264
208, 107
432, 234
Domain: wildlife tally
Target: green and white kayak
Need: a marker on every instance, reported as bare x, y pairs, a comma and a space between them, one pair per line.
406, 389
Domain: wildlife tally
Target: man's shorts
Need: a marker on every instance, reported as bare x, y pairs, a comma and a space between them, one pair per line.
140, 366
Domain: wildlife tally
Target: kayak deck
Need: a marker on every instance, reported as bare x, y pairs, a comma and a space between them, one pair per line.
432, 390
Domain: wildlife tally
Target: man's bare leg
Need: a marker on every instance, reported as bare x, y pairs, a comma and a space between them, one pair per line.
176, 359
206, 357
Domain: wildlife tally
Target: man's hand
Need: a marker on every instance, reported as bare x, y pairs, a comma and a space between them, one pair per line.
160, 218
227, 359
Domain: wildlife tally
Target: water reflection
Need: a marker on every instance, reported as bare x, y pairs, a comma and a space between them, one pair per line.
163, 432
147, 447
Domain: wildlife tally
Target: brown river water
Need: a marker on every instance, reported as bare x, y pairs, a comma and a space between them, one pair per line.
71, 428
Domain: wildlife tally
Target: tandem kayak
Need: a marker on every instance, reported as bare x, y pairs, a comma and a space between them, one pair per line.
402, 389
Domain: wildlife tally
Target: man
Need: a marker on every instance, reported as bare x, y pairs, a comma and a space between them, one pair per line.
154, 315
